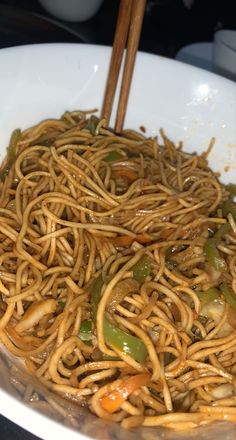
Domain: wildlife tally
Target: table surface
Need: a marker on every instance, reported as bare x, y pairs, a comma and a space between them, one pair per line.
168, 26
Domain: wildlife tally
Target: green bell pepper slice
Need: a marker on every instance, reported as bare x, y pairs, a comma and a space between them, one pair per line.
85, 331
117, 338
222, 231
231, 187
229, 207
61, 304
228, 294
113, 335
112, 156
11, 153
141, 269
209, 295
212, 253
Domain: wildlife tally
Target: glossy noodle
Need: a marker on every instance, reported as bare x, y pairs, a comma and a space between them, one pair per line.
118, 272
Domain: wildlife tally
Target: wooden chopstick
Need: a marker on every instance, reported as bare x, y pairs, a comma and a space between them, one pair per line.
137, 15
119, 43
129, 24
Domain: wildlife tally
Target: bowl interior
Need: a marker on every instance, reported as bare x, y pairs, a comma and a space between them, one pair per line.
192, 105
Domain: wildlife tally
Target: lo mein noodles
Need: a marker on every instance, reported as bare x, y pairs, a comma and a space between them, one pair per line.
118, 272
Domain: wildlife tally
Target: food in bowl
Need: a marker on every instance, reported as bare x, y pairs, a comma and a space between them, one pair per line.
118, 278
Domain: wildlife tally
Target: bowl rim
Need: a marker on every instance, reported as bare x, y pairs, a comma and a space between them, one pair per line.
107, 49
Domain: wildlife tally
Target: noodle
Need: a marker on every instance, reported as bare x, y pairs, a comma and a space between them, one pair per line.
118, 274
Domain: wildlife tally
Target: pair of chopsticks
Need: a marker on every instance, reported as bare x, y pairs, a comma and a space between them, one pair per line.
128, 30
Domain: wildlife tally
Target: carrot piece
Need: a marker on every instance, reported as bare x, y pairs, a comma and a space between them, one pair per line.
165, 233
143, 238
126, 240
116, 398
122, 241
125, 172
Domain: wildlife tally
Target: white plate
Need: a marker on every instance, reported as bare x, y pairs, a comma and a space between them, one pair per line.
191, 104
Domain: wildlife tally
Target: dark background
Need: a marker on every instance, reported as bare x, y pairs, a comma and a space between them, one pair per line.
168, 26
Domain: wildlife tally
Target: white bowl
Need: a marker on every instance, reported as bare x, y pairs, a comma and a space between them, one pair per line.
72, 10
197, 54
191, 104
224, 53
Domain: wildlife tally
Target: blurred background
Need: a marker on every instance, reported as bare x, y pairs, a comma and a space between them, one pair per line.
169, 25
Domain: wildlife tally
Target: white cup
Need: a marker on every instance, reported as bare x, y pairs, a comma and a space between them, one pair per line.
72, 10
224, 53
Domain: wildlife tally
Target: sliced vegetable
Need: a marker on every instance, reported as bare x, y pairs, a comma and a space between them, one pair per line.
142, 269
117, 338
222, 231
209, 295
116, 398
112, 156
62, 304
11, 153
92, 124
212, 274
231, 187
113, 335
214, 311
122, 241
126, 240
125, 172
85, 331
213, 255
228, 294
222, 391
35, 313
229, 207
